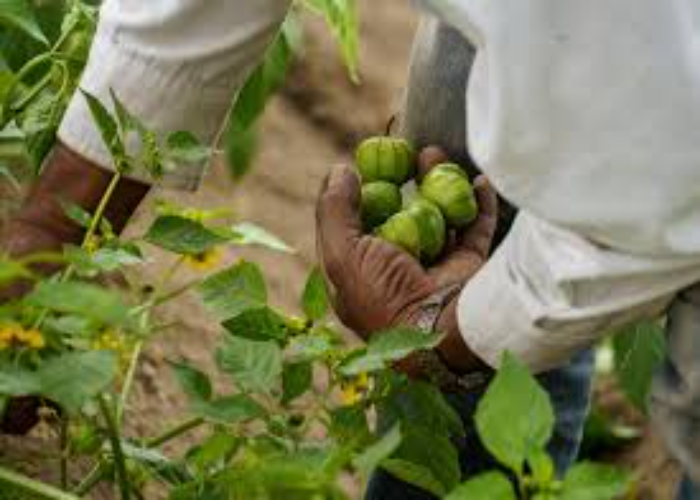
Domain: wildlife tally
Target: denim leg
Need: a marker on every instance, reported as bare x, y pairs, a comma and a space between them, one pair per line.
688, 490
569, 388
675, 399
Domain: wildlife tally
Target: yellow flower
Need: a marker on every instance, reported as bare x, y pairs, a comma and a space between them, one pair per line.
17, 336
354, 391
31, 338
204, 261
118, 343
92, 245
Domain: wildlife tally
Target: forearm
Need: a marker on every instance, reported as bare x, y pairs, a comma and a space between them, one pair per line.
175, 64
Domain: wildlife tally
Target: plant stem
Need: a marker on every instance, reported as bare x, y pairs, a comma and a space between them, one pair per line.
128, 382
96, 475
101, 208
175, 432
36, 488
115, 442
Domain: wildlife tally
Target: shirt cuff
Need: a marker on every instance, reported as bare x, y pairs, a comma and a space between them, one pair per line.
168, 90
547, 294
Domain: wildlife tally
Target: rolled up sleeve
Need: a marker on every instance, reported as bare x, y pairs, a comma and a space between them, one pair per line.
176, 64
548, 293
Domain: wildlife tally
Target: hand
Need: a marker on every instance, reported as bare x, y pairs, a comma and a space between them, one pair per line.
41, 226
378, 286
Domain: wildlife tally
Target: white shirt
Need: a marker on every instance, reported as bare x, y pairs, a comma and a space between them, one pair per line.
586, 115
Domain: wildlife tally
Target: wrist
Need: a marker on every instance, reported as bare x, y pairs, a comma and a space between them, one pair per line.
453, 349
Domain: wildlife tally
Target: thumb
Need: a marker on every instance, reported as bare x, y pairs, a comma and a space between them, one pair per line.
338, 223
474, 244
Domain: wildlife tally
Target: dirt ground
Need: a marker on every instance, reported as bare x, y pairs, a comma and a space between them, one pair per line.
309, 127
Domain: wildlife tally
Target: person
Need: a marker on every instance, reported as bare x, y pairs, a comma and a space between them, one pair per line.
583, 117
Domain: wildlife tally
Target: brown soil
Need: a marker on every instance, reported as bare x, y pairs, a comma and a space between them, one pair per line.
311, 126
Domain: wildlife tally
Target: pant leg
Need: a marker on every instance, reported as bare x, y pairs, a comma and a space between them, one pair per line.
675, 399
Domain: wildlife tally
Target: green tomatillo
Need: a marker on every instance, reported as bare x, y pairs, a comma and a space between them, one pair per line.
403, 231
449, 188
386, 159
380, 200
431, 226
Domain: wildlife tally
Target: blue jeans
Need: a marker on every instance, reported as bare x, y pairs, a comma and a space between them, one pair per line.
435, 113
569, 387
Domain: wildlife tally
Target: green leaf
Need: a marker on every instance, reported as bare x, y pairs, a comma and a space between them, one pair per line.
194, 383
589, 481
349, 425
214, 452
342, 19
415, 474
257, 324
296, 380
15, 381
489, 486
183, 236
11, 271
310, 348
246, 233
76, 213
240, 147
388, 347
72, 379
230, 410
234, 290
639, 351
252, 365
377, 452
542, 467
109, 130
315, 301
154, 463
434, 461
251, 101
421, 404
185, 147
515, 417
18, 14
89, 301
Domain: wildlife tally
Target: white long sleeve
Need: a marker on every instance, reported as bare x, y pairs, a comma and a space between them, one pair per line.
175, 63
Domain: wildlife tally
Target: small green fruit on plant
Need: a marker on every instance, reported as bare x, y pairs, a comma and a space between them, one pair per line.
403, 231
449, 188
380, 200
431, 227
386, 159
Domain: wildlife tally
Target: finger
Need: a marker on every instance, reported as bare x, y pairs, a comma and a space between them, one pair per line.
338, 221
474, 244
479, 235
429, 158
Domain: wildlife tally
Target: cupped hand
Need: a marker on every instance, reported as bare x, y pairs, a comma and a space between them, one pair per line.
375, 284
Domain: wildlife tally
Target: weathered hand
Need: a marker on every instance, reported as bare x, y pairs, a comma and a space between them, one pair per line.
41, 226
376, 285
